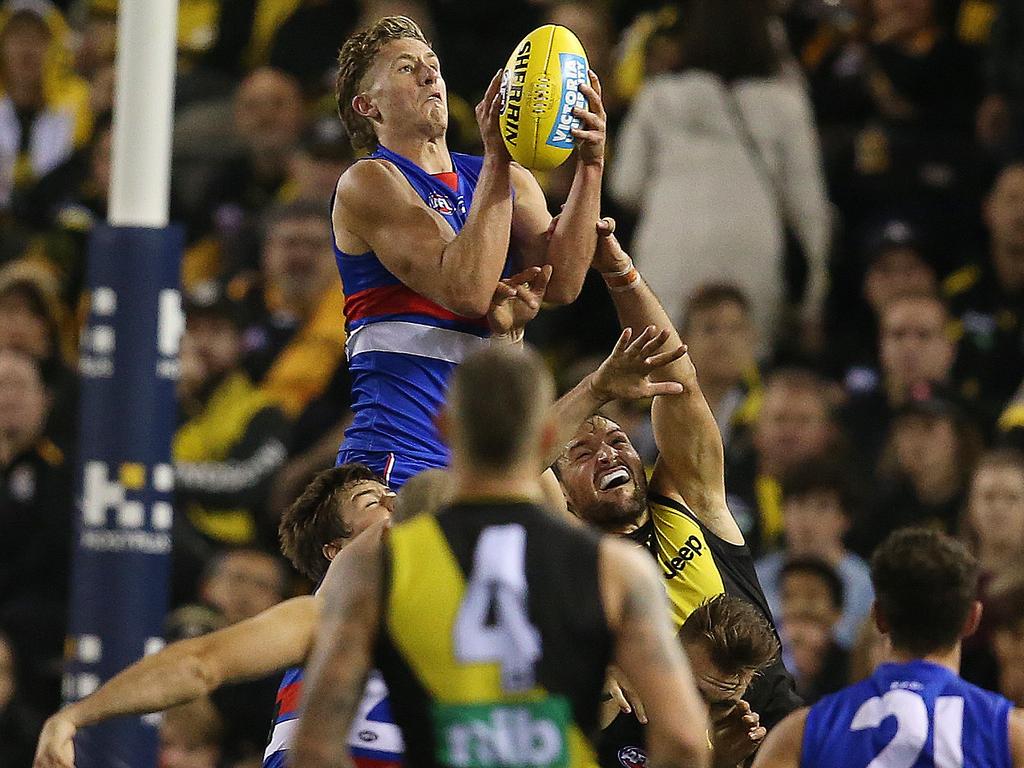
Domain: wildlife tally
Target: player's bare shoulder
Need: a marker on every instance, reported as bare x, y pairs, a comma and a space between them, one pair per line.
365, 194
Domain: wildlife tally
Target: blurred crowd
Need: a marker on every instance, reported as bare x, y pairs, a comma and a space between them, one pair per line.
827, 194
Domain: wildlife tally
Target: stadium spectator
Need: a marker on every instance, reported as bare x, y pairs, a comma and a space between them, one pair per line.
295, 338
35, 527
721, 341
19, 726
894, 263
190, 736
727, 107
987, 298
1007, 601
231, 440
44, 111
243, 582
816, 514
915, 350
794, 425
924, 472
321, 157
812, 602
993, 525
1000, 122
269, 119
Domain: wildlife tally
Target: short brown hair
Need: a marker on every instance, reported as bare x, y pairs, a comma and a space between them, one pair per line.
354, 59
497, 399
711, 296
313, 520
925, 585
736, 634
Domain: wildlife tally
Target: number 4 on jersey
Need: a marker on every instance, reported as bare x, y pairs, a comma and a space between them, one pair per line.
493, 625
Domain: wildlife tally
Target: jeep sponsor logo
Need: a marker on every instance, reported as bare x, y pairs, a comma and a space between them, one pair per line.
574, 74
528, 735
693, 547
513, 101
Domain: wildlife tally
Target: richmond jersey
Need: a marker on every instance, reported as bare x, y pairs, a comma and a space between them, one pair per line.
493, 641
914, 715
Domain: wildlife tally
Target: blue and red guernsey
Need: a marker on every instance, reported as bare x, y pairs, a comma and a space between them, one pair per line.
402, 347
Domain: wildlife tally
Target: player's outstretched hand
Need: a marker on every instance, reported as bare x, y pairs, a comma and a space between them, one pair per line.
736, 737
517, 300
626, 372
487, 112
591, 135
56, 747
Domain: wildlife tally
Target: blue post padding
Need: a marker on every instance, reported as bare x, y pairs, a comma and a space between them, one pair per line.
129, 365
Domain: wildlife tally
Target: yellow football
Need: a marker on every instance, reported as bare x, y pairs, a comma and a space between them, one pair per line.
539, 89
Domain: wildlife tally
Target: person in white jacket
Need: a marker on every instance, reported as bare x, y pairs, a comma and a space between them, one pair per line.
718, 158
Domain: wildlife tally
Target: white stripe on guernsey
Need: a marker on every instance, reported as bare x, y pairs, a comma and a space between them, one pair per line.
414, 339
281, 738
365, 734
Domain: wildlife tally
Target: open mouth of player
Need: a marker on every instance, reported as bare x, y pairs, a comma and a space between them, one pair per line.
435, 97
613, 478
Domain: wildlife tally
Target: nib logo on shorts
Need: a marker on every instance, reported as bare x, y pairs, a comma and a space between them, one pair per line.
632, 757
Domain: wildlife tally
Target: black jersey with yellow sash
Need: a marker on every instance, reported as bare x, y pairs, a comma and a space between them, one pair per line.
494, 641
696, 565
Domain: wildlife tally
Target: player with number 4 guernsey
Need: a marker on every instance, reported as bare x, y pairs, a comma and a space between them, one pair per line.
915, 711
493, 621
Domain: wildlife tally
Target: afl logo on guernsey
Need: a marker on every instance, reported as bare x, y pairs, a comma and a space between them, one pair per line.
443, 204
632, 757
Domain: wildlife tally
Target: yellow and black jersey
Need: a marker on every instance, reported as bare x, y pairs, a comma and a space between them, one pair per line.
695, 563
494, 641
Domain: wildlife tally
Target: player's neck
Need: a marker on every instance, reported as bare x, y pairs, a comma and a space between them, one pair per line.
948, 658
471, 484
430, 154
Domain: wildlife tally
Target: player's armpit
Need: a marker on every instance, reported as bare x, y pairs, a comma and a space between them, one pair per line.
649, 654
784, 743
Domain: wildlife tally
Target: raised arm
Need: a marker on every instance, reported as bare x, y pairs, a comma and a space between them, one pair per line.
274, 640
652, 659
342, 658
571, 245
691, 464
377, 210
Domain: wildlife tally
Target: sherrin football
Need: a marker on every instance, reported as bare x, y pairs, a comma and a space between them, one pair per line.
539, 88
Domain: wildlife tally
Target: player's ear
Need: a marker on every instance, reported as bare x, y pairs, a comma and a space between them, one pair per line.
330, 551
973, 620
363, 106
880, 620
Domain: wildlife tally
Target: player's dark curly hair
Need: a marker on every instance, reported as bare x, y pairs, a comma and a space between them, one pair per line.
314, 520
354, 59
925, 585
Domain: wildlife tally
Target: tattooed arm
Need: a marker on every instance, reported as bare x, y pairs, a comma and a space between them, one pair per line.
650, 656
343, 653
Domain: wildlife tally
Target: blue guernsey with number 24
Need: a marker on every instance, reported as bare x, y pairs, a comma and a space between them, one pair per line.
914, 715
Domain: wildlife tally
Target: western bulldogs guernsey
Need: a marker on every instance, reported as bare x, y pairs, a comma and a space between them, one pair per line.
401, 346
914, 715
374, 740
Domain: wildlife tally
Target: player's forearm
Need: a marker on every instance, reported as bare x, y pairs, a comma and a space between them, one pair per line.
472, 263
176, 675
569, 411
638, 307
572, 244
